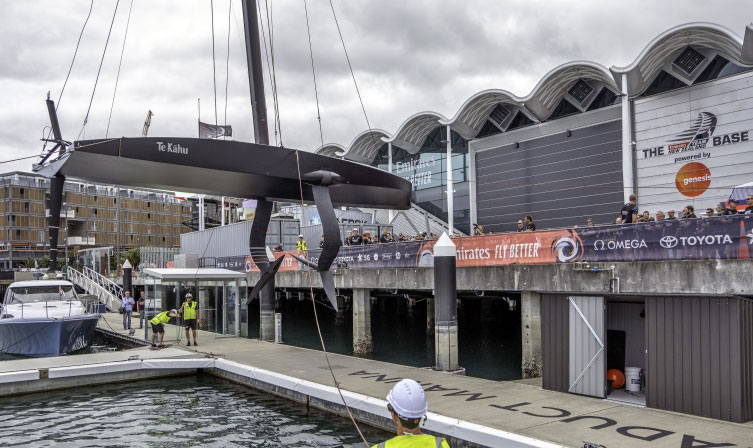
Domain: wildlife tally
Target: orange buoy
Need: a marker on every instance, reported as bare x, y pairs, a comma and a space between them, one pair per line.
616, 377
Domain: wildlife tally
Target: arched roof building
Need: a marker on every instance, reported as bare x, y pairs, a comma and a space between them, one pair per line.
578, 95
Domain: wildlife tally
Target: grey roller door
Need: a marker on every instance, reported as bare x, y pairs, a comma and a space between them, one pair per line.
587, 351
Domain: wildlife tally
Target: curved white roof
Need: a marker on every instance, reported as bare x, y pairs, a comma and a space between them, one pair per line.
553, 86
331, 150
664, 47
472, 115
363, 148
51, 282
411, 134
549, 91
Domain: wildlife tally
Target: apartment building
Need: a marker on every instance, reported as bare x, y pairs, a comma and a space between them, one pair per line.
92, 215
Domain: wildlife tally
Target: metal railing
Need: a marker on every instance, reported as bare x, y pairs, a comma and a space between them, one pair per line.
96, 284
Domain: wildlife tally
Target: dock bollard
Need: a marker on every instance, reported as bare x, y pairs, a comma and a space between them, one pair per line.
445, 305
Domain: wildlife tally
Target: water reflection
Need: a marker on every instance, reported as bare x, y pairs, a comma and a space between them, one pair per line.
186, 411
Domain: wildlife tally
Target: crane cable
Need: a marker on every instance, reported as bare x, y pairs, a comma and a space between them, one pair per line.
214, 71
273, 77
70, 68
313, 74
96, 80
318, 327
117, 77
227, 61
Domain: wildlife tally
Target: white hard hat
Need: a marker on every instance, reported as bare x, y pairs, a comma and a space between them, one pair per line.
174, 311
408, 399
300, 236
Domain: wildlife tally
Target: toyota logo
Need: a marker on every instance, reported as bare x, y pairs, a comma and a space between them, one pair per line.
668, 242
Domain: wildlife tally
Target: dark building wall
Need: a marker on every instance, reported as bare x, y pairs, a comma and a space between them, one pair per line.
555, 342
557, 179
699, 356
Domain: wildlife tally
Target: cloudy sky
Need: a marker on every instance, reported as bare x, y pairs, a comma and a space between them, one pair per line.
408, 56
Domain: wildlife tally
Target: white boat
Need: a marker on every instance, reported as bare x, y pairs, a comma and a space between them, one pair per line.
44, 318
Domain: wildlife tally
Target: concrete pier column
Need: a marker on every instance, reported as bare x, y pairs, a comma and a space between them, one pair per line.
445, 307
362, 342
267, 312
530, 326
340, 313
410, 306
430, 316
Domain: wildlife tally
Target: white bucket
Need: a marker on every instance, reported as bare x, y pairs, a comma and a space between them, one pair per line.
633, 379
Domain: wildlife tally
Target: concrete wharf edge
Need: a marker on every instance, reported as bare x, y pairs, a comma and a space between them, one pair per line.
468, 411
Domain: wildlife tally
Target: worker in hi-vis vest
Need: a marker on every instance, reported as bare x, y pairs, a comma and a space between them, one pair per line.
190, 321
158, 325
407, 404
300, 245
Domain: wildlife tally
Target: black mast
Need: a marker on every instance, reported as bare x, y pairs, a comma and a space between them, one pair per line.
255, 74
258, 237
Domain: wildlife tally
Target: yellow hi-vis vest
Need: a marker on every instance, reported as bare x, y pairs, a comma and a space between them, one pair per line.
414, 441
160, 318
189, 310
300, 245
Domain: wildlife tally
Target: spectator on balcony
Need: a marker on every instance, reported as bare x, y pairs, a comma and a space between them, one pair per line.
589, 223
478, 230
629, 212
356, 239
385, 238
688, 212
749, 208
645, 217
731, 208
530, 226
521, 226
709, 213
300, 245
660, 215
321, 243
618, 220
434, 236
720, 209
347, 238
366, 240
671, 215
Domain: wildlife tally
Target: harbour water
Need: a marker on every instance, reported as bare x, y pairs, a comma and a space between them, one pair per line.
488, 336
196, 410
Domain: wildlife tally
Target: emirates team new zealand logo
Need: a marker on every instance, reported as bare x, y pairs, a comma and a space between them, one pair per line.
697, 136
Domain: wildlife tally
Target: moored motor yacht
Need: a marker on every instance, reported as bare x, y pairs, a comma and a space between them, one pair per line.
44, 318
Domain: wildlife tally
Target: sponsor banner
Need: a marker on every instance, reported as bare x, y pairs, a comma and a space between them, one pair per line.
689, 239
729, 237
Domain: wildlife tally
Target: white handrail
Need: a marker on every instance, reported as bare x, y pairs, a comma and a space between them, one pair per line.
106, 291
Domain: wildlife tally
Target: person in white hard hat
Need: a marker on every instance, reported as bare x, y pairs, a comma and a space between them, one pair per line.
407, 404
300, 245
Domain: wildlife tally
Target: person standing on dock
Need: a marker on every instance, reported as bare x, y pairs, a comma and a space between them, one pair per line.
128, 303
407, 404
158, 325
188, 311
140, 309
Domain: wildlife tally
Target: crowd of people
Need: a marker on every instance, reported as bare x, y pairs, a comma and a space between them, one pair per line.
630, 214
354, 238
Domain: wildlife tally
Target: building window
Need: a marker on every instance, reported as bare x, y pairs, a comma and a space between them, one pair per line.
663, 82
563, 109
26, 207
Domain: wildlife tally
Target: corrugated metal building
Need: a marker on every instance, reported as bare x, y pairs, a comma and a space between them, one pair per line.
697, 351
233, 239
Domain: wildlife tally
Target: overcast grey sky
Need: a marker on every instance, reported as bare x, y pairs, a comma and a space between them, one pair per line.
408, 56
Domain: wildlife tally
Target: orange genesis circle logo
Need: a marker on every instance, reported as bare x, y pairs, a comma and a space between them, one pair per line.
693, 179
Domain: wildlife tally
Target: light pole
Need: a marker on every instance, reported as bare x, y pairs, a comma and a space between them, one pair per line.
67, 230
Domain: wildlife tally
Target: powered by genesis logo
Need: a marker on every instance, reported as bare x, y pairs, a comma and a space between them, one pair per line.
171, 147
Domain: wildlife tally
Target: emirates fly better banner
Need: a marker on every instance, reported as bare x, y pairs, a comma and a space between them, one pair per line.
729, 237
